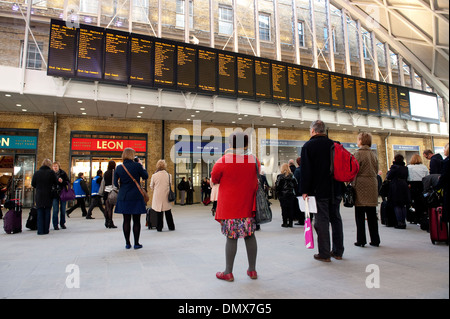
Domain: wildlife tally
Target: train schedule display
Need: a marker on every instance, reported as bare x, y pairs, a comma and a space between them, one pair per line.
61, 50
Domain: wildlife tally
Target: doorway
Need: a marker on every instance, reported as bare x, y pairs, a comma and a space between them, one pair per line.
16, 173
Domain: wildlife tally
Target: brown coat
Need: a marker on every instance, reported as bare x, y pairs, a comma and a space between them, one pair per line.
160, 186
365, 183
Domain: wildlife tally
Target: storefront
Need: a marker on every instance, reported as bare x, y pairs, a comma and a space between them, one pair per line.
18, 149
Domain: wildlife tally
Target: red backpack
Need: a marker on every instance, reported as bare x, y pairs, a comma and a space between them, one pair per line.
345, 166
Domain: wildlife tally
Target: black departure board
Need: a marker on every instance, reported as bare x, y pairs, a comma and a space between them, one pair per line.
90, 52
383, 99
116, 56
186, 67
393, 101
262, 80
361, 95
295, 84
279, 82
309, 86
372, 97
164, 64
323, 88
207, 70
141, 66
245, 72
61, 49
403, 103
337, 91
349, 93
227, 73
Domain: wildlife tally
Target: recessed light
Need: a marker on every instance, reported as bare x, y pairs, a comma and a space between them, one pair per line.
138, 116
282, 121
188, 119
233, 122
18, 104
24, 110
142, 107
197, 111
79, 101
240, 118
8, 95
82, 109
84, 113
245, 115
274, 124
192, 115
140, 112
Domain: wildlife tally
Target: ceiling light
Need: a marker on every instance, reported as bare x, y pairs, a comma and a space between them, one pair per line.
8, 95
274, 124
84, 113
138, 116
18, 104
282, 121
24, 110
82, 109
197, 111
240, 118
142, 107
188, 119
245, 115
233, 122
140, 112
192, 115
79, 101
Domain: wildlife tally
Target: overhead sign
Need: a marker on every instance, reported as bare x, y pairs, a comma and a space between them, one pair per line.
107, 145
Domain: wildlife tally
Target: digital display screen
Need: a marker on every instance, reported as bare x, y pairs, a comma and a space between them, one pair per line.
403, 103
164, 64
61, 50
372, 97
227, 73
207, 74
349, 93
424, 106
116, 56
361, 95
141, 70
393, 101
295, 84
279, 82
262, 80
90, 52
310, 86
383, 99
337, 92
186, 67
323, 88
245, 71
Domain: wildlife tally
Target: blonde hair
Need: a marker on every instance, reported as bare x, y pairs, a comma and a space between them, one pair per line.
415, 159
285, 170
47, 162
57, 163
128, 153
365, 138
161, 165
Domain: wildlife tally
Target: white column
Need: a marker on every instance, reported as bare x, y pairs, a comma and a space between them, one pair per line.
388, 62
235, 28
330, 35
256, 16
211, 24
313, 33
376, 73
348, 69
186, 21
362, 66
276, 20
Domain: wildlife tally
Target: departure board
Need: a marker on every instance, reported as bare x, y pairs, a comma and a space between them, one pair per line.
262, 80
141, 70
61, 49
383, 99
361, 95
323, 88
227, 73
403, 103
90, 52
164, 64
309, 86
295, 84
207, 71
349, 93
279, 82
372, 97
393, 101
337, 92
245, 71
186, 67
116, 56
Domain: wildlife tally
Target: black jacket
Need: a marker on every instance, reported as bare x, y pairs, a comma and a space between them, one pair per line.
436, 164
286, 186
399, 193
44, 180
56, 190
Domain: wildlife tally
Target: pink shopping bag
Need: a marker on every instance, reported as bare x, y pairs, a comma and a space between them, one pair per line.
309, 237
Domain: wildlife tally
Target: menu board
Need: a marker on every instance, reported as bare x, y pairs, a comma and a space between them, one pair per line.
141, 70
164, 64
309, 86
383, 99
227, 73
90, 52
393, 101
116, 56
262, 80
349, 93
361, 95
186, 67
245, 71
372, 97
279, 82
323, 88
295, 84
61, 50
403, 102
207, 74
337, 92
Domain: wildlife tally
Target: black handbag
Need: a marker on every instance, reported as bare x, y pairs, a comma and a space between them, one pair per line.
263, 212
349, 196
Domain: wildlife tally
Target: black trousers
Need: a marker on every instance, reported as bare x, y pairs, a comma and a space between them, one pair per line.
160, 220
80, 203
96, 201
372, 222
328, 213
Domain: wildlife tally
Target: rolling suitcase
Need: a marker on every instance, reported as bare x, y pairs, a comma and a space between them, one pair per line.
12, 221
151, 218
438, 228
207, 201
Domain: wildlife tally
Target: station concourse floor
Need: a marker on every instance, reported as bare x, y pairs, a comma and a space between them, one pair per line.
181, 264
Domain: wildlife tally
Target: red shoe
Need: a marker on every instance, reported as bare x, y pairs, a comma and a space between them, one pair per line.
252, 274
227, 277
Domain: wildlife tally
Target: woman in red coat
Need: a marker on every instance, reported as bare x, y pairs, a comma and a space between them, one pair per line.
236, 204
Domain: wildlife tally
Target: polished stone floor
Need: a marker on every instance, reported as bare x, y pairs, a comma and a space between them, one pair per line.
86, 260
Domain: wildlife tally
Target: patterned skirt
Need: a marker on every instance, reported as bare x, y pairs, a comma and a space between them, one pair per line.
238, 228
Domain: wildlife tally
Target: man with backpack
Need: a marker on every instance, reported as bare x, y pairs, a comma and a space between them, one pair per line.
317, 180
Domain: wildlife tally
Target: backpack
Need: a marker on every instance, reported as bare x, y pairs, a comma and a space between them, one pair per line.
344, 165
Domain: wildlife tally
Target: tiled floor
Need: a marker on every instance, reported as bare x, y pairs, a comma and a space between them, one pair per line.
182, 264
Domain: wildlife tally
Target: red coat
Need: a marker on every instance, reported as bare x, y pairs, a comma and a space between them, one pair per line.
238, 181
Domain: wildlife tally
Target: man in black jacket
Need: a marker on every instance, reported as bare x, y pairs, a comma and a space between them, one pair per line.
435, 161
316, 180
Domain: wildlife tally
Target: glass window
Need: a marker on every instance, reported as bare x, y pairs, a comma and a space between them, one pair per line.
180, 14
264, 26
89, 6
225, 20
140, 10
38, 3
34, 60
301, 33
325, 38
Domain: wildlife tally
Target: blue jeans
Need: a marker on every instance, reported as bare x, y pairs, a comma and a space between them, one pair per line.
59, 207
43, 220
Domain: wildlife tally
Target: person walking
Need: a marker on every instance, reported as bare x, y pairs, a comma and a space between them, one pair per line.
161, 182
44, 180
81, 190
183, 187
286, 187
236, 172
59, 206
399, 196
366, 192
130, 202
316, 180
416, 172
190, 192
108, 178
96, 197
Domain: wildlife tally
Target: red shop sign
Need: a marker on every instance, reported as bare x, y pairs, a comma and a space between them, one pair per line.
97, 144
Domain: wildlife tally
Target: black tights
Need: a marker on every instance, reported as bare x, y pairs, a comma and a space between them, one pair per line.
136, 227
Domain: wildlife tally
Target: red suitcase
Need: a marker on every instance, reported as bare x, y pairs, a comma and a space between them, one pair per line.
438, 229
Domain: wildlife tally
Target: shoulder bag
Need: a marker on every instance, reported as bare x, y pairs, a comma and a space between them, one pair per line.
113, 193
67, 193
171, 196
143, 192
263, 212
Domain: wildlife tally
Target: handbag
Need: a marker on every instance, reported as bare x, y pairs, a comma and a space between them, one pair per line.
143, 192
67, 194
349, 196
263, 212
309, 237
171, 196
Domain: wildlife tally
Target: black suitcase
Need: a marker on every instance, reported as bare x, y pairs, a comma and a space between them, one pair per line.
387, 214
151, 218
32, 219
